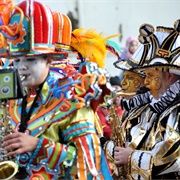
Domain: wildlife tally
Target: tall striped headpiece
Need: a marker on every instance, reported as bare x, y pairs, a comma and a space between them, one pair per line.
31, 28
164, 51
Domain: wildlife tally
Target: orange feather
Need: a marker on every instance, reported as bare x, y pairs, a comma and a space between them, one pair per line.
91, 45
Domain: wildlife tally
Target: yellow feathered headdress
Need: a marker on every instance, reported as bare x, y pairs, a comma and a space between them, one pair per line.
91, 45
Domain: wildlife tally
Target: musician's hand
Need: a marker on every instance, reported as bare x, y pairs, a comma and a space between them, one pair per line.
121, 154
18, 143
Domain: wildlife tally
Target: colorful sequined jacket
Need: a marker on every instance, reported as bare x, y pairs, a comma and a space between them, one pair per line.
63, 120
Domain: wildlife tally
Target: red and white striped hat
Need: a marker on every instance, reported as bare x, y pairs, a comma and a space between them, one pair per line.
31, 28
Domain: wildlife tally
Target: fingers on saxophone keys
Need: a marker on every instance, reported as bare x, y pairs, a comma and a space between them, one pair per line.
118, 160
4, 144
116, 152
4, 156
7, 145
12, 153
117, 148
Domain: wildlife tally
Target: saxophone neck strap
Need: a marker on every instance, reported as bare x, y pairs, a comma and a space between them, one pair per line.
25, 116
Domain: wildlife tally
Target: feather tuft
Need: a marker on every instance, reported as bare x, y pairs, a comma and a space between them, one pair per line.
91, 45
114, 48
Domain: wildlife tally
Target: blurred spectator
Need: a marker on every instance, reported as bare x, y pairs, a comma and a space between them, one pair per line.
116, 84
131, 46
104, 110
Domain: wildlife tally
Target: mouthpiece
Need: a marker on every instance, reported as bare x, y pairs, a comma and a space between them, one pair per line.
22, 77
126, 94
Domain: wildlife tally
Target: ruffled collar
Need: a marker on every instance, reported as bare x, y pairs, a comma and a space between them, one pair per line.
167, 99
136, 101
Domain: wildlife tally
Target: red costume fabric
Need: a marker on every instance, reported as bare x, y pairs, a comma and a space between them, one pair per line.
103, 114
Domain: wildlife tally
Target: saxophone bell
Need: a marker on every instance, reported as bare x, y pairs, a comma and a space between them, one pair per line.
8, 169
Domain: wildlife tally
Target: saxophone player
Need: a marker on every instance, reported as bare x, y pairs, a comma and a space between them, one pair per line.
131, 83
54, 134
153, 150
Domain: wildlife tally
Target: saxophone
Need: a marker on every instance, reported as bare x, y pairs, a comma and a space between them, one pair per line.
118, 135
8, 167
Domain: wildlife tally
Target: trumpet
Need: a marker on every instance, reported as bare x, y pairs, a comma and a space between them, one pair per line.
8, 167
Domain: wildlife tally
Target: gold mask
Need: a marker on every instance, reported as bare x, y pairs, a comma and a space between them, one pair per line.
156, 81
131, 82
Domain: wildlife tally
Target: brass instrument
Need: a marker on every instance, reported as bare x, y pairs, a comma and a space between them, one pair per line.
124, 94
8, 168
118, 136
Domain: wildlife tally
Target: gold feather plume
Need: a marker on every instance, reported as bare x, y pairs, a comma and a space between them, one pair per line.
91, 45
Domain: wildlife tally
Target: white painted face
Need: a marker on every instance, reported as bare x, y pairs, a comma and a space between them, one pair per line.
34, 69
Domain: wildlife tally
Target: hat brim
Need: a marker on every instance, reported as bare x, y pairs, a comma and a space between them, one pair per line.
54, 55
125, 64
163, 67
122, 64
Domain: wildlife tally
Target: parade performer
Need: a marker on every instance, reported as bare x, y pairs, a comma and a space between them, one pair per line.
54, 134
153, 150
132, 104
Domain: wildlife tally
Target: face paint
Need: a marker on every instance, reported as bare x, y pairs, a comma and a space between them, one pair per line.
34, 69
156, 81
131, 82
